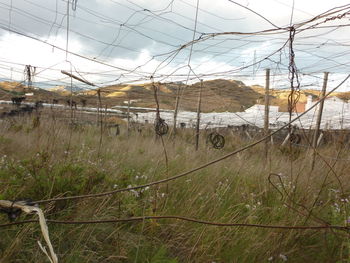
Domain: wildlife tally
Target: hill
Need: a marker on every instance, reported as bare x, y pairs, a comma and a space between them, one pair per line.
217, 95
14, 89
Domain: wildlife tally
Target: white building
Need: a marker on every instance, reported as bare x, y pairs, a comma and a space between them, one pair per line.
261, 108
335, 114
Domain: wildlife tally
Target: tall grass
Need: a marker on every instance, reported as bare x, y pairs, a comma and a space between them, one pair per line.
56, 159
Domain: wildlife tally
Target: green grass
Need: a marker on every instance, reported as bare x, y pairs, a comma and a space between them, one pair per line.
53, 160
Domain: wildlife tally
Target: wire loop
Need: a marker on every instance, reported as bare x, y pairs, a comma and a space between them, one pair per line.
161, 127
217, 140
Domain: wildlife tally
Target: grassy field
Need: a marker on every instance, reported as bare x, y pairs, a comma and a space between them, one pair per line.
52, 159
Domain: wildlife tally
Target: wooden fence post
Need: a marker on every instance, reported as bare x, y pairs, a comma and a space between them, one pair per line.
128, 117
266, 117
198, 113
178, 90
319, 118
98, 106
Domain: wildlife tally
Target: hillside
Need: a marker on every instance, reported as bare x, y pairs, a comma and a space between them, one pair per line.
15, 89
217, 95
10, 89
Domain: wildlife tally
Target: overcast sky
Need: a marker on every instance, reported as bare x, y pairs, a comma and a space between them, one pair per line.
138, 39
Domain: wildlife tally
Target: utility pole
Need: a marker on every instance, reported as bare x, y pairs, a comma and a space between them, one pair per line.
319, 118
266, 117
198, 113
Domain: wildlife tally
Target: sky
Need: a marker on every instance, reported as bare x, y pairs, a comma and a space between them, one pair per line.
132, 41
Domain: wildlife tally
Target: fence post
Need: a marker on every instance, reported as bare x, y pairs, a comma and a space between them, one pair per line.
319, 118
198, 113
98, 106
100, 119
128, 117
176, 108
266, 117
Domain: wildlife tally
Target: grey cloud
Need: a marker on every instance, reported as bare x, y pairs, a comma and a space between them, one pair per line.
133, 28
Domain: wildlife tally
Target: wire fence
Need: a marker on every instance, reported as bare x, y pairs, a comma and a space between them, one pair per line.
171, 64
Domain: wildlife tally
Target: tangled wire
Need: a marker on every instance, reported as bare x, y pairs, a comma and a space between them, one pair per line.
294, 95
12, 212
74, 5
29, 72
216, 140
161, 127
295, 138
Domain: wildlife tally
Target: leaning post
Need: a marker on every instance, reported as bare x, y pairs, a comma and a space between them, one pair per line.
319, 118
198, 113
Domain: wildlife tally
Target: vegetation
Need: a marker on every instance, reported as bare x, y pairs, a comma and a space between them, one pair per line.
55, 159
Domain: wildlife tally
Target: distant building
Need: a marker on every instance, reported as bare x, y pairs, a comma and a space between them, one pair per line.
132, 101
300, 107
331, 105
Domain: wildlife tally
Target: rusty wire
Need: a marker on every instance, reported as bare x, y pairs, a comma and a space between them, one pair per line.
29, 72
294, 94
175, 177
182, 218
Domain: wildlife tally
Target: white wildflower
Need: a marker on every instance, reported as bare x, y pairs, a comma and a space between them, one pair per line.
336, 207
344, 200
283, 257
135, 193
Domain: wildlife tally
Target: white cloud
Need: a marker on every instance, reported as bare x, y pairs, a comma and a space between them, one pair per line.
205, 60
